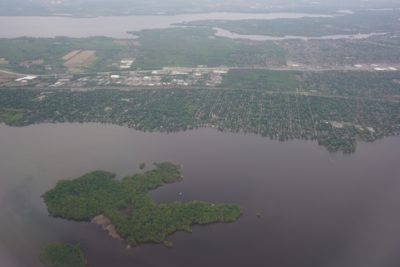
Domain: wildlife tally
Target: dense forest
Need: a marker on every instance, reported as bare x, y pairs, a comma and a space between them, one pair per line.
135, 216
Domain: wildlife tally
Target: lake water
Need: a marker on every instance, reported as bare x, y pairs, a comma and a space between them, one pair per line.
116, 27
318, 209
225, 33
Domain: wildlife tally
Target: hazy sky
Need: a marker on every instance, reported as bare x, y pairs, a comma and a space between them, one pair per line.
138, 7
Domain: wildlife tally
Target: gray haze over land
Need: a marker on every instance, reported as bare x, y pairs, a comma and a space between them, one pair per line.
154, 7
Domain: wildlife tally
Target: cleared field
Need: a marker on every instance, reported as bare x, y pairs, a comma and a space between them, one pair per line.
81, 59
71, 55
6, 76
56, 52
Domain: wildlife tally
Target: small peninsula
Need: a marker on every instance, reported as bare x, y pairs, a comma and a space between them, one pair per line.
63, 255
126, 206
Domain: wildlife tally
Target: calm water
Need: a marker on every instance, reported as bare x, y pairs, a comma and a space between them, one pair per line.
318, 209
116, 27
225, 33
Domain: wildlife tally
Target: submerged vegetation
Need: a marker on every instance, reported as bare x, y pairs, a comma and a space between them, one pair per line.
62, 255
147, 221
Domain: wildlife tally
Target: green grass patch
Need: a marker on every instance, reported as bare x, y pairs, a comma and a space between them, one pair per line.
261, 80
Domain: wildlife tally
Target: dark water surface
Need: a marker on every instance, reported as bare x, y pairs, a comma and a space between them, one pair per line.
318, 209
232, 35
117, 27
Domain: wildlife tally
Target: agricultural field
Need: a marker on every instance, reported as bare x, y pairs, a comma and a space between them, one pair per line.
154, 49
334, 91
6, 76
191, 47
51, 55
78, 59
217, 86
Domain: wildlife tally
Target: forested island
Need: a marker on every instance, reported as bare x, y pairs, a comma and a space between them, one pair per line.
126, 204
63, 255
